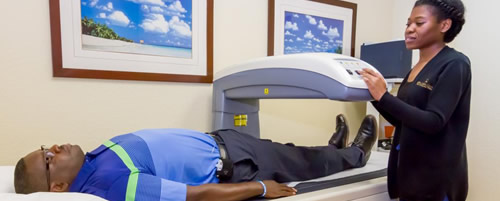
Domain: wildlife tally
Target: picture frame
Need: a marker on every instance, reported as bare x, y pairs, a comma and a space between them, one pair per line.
296, 26
184, 53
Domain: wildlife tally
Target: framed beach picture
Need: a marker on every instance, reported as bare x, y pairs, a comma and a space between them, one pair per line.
153, 40
299, 26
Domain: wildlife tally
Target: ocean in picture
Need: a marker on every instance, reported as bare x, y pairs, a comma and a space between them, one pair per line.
308, 33
150, 27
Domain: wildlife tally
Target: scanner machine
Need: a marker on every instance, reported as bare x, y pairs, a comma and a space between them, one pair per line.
238, 89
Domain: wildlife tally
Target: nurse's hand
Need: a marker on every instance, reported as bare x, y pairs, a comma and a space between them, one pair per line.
375, 82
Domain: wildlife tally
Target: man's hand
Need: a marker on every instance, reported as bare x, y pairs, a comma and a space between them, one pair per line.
237, 191
375, 82
275, 189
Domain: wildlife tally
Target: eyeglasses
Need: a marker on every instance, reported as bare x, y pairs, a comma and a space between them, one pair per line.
47, 155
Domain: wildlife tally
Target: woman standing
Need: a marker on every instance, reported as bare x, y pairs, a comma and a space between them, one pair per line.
428, 160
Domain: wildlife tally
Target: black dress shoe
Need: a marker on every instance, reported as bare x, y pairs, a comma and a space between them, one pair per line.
366, 137
339, 138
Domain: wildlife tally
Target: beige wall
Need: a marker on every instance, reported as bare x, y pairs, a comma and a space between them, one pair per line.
36, 108
479, 41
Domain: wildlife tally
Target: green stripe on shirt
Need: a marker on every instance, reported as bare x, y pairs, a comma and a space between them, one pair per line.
134, 172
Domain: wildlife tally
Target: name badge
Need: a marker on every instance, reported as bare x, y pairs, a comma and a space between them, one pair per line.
425, 85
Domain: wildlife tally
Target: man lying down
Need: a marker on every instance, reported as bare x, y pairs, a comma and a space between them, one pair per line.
177, 164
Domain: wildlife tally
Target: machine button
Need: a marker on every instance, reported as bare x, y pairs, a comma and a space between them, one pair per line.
349, 71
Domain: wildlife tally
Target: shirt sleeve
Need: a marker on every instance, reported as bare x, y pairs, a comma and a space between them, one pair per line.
145, 187
442, 101
391, 119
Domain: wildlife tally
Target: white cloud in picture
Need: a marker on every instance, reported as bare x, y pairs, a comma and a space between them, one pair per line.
118, 18
155, 23
180, 27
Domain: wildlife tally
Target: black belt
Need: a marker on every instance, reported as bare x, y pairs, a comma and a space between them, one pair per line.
225, 165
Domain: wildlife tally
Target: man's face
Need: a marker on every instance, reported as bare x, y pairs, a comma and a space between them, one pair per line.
55, 164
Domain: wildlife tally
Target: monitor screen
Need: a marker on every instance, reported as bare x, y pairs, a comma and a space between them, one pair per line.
391, 59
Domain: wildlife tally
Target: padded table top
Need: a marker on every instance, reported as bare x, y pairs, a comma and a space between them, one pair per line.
376, 167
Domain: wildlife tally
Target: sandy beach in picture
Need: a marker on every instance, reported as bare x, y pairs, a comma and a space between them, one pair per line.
108, 45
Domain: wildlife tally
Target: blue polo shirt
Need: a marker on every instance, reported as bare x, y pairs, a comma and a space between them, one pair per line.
154, 164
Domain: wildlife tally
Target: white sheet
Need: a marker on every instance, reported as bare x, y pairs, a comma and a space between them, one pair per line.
6, 179
50, 197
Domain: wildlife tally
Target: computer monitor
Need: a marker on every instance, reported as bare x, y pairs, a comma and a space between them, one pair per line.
391, 59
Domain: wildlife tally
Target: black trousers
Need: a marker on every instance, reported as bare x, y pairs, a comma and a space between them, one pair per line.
257, 159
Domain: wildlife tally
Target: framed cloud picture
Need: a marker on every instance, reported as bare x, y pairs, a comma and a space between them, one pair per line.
151, 40
298, 26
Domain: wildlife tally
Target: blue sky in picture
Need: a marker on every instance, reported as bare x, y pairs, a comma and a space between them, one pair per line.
308, 33
156, 22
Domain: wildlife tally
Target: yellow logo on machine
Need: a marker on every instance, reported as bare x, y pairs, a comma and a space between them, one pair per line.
425, 85
266, 91
240, 120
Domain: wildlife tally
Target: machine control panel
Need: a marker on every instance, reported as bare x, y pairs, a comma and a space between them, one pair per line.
352, 67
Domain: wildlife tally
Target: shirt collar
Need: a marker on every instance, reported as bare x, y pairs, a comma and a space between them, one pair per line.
85, 172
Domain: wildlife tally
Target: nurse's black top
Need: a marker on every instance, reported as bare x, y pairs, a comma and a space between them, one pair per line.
431, 116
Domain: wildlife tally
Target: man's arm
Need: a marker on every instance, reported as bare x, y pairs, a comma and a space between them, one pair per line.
237, 191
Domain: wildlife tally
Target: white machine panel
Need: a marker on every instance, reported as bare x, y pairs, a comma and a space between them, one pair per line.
336, 66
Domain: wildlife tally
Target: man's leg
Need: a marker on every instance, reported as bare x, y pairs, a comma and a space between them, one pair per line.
256, 159
285, 163
262, 159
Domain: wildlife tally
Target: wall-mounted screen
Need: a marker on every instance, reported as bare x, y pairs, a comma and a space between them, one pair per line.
392, 59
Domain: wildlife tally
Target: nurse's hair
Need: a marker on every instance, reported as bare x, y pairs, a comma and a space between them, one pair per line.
447, 9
